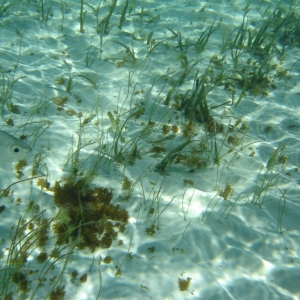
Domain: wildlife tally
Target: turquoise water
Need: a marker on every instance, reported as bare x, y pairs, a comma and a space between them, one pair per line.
165, 139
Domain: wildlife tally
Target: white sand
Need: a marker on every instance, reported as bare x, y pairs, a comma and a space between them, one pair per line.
230, 249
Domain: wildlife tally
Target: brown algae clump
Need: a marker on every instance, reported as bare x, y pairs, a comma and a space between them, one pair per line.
87, 216
184, 284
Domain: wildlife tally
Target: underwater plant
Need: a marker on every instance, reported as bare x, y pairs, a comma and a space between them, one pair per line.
102, 26
81, 17
27, 237
7, 88
184, 284
5, 6
87, 214
119, 152
265, 180
195, 105
171, 155
123, 15
45, 13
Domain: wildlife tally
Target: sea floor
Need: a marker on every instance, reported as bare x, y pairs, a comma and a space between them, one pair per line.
165, 154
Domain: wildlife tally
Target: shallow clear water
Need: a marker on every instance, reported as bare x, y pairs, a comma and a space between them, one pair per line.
188, 113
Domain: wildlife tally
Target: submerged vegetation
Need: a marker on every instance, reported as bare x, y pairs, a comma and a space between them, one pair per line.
86, 215
182, 116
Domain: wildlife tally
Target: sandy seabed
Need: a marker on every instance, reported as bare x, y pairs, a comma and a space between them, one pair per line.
165, 161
